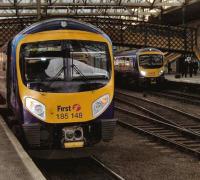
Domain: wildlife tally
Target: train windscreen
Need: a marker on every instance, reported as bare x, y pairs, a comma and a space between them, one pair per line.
66, 61
151, 61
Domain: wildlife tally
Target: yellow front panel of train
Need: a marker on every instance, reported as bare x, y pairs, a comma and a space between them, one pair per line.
155, 72
152, 72
68, 107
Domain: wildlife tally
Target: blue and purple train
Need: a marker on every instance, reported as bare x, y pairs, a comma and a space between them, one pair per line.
140, 66
59, 84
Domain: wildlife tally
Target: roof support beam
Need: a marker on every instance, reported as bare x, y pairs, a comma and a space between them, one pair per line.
121, 4
38, 9
69, 14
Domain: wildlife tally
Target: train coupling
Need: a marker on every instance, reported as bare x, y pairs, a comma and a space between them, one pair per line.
72, 137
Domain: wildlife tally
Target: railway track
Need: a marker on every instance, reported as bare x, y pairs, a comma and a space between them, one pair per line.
161, 112
81, 168
107, 169
180, 135
169, 134
180, 96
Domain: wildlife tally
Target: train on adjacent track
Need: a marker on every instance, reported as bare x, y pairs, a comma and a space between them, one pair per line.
58, 81
140, 66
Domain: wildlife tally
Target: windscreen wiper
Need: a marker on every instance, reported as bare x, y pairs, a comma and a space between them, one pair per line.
58, 74
79, 72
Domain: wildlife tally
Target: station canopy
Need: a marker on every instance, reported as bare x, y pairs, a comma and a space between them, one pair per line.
139, 10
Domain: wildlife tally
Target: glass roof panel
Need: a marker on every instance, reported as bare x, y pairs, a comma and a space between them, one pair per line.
124, 9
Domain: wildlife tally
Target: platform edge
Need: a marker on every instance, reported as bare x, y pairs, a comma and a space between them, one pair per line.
27, 161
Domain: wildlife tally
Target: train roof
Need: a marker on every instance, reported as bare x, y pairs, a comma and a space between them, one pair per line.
149, 49
62, 23
132, 52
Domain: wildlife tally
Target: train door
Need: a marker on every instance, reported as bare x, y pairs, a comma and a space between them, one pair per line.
135, 64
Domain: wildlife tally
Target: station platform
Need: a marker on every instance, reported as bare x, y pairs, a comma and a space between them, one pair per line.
192, 80
15, 162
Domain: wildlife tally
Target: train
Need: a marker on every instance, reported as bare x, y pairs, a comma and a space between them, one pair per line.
140, 66
57, 77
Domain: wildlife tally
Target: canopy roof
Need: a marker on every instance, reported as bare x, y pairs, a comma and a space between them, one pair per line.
139, 10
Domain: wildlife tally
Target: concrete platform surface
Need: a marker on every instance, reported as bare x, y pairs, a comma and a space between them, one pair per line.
188, 79
15, 164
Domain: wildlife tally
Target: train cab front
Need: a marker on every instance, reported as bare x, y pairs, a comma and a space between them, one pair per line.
151, 68
66, 89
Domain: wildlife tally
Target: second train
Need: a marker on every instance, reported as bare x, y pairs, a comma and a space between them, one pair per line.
142, 66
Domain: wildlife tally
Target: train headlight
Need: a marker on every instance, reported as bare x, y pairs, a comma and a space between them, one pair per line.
35, 107
143, 73
100, 105
161, 72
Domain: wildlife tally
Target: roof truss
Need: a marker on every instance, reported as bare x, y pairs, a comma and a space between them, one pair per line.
125, 9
